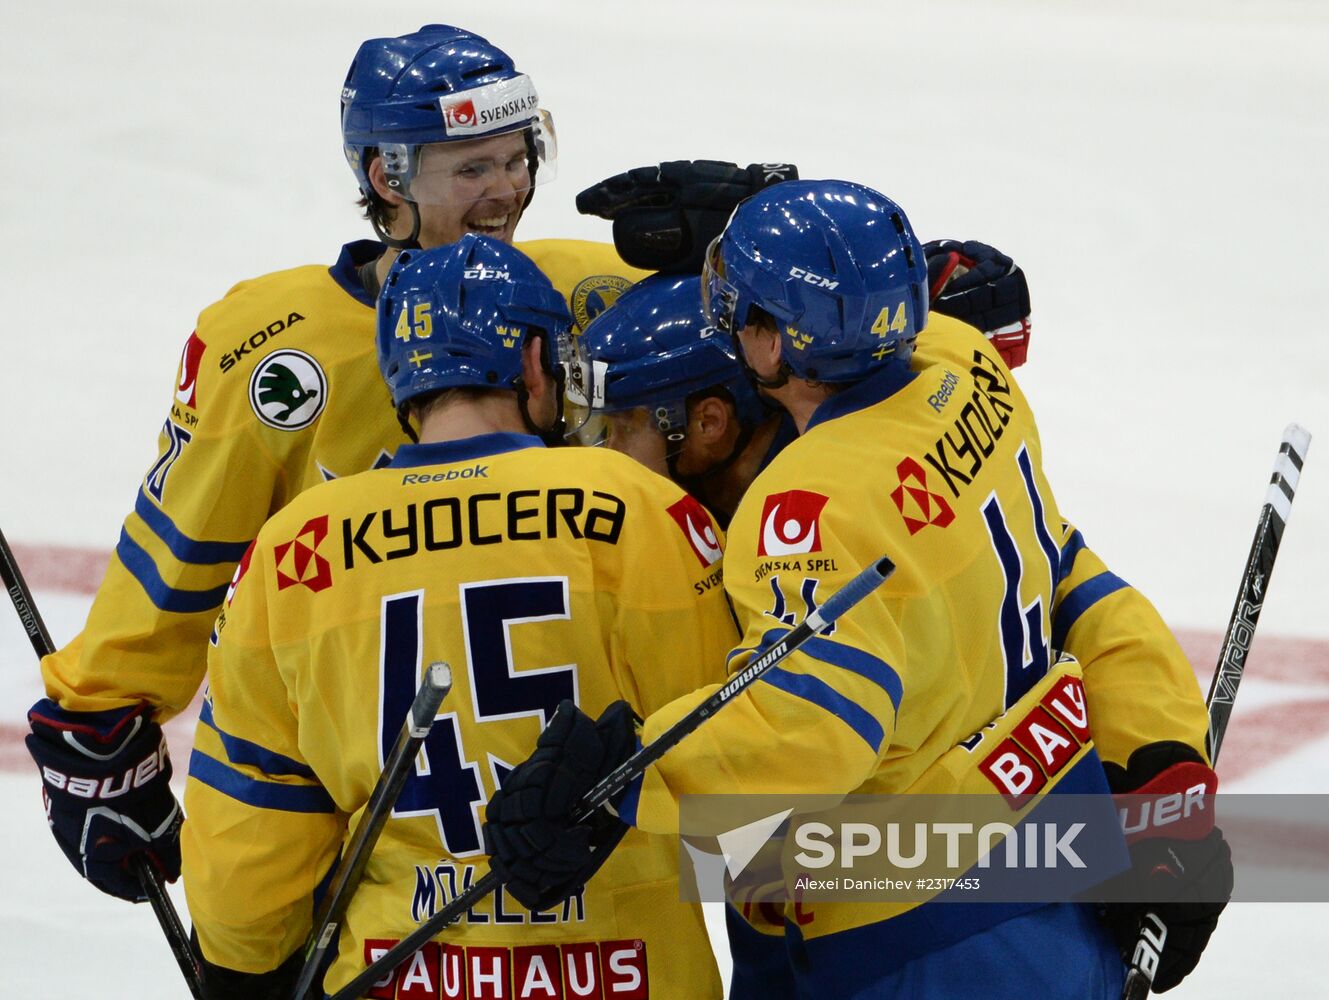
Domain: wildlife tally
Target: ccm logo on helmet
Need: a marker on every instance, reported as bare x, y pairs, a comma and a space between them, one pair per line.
115, 785
485, 274
815, 280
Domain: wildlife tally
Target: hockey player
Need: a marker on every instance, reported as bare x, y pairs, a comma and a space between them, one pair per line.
519, 566
673, 395
277, 390
824, 287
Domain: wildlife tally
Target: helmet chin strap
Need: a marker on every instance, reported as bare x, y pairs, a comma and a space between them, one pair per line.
552, 436
697, 479
411, 242
778, 381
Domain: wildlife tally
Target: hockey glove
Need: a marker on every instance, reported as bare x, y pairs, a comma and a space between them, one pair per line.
979, 285
533, 845
666, 216
1180, 863
106, 784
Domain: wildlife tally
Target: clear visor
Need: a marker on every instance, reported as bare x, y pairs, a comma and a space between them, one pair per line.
463, 173
638, 431
719, 298
583, 387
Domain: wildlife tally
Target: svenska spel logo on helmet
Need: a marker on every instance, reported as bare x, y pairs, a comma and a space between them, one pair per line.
489, 108
459, 115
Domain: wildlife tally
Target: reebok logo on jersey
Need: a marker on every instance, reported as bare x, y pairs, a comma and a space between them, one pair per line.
917, 504
186, 389
697, 529
790, 523
298, 561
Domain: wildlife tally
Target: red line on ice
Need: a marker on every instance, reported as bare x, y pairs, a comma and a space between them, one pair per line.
1258, 736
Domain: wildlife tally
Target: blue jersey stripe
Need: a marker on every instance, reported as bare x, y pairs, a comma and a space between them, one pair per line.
821, 694
1081, 599
241, 751
857, 661
1068, 553
144, 570
184, 548
261, 794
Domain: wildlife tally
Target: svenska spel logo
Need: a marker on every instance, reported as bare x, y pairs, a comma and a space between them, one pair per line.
697, 529
459, 115
791, 523
191, 359
298, 561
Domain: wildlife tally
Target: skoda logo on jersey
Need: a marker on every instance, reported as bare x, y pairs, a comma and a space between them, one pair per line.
288, 390
917, 504
697, 529
595, 294
791, 523
298, 561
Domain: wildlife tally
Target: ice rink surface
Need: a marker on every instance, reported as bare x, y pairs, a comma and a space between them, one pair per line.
1156, 168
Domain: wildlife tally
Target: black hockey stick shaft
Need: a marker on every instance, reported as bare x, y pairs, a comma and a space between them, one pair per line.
148, 876
836, 605
1232, 654
419, 721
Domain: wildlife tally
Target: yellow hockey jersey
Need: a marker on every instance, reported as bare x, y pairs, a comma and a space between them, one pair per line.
1140, 686
939, 468
277, 389
537, 574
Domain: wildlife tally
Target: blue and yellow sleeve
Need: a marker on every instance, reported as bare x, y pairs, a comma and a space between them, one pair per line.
262, 833
1139, 685
198, 507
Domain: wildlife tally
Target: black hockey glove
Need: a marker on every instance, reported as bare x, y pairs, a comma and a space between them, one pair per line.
666, 216
1181, 867
542, 857
979, 285
106, 784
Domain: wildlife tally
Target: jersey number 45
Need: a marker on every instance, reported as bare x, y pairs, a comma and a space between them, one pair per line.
445, 783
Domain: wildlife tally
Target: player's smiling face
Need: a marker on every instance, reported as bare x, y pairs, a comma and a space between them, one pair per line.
471, 187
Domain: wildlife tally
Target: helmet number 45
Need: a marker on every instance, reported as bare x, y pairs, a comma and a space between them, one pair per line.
418, 321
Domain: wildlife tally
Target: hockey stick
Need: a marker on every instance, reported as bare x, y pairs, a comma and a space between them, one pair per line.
419, 721
617, 780
148, 877
1232, 660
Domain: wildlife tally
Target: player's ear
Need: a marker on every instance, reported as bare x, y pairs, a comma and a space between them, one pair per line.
710, 419
379, 178
762, 347
538, 382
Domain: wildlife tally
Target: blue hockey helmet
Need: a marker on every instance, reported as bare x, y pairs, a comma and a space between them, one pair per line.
836, 265
653, 349
458, 315
437, 85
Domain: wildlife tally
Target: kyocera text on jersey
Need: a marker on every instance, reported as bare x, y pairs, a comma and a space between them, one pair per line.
481, 519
